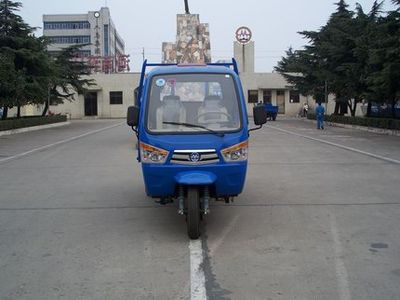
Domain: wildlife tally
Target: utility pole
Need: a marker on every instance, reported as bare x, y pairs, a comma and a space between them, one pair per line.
143, 54
187, 7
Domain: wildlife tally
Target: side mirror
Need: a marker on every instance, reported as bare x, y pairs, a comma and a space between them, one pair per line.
132, 117
260, 115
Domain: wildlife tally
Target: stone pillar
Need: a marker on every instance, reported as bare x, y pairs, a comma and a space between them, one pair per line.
192, 41
244, 55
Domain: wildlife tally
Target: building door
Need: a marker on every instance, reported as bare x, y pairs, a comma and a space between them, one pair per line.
280, 101
91, 104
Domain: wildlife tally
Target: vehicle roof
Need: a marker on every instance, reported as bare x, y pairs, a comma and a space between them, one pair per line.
182, 69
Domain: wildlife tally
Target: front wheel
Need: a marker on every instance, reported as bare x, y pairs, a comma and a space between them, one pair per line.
193, 213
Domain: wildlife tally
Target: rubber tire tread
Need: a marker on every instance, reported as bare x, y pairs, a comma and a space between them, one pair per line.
193, 215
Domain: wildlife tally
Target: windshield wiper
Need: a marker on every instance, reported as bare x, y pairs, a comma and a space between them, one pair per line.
195, 126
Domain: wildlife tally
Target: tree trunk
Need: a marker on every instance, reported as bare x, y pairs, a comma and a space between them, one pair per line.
46, 107
5, 112
337, 106
342, 108
350, 105
19, 111
353, 106
369, 109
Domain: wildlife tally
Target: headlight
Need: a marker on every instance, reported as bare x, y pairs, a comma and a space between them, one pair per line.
150, 154
238, 152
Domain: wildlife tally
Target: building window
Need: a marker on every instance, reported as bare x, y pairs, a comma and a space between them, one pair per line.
79, 39
115, 97
267, 96
66, 25
294, 97
106, 40
252, 96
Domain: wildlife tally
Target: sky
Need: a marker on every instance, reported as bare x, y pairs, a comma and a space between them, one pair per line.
146, 24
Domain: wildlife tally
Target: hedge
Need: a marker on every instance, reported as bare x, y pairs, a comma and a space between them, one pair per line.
14, 123
384, 123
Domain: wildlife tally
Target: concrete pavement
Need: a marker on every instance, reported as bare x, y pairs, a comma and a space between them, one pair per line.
315, 221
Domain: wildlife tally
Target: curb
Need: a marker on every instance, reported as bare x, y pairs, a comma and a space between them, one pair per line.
33, 128
391, 132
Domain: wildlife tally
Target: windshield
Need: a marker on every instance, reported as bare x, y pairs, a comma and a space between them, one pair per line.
193, 103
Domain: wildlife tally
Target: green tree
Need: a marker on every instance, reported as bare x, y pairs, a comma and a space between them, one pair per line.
302, 68
325, 60
7, 79
12, 32
10, 22
67, 77
29, 74
333, 47
357, 54
384, 60
28, 63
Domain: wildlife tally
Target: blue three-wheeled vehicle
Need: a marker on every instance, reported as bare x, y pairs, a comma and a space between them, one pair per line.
192, 129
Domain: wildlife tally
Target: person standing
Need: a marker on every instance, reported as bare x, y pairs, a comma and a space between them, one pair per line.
320, 113
305, 109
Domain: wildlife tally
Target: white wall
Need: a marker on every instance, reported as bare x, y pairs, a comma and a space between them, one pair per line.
105, 83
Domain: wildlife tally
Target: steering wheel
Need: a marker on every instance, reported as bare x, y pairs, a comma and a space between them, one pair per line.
213, 113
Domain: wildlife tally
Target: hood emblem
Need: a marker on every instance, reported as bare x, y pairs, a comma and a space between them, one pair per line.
194, 157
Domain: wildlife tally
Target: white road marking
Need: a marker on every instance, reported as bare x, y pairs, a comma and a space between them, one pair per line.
395, 161
341, 271
57, 143
197, 277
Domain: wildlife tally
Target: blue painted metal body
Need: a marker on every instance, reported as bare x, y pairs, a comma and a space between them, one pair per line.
224, 178
272, 109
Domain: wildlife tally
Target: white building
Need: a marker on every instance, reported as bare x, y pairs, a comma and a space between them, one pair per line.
95, 28
110, 97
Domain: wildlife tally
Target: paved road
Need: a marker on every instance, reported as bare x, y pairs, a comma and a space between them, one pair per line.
315, 221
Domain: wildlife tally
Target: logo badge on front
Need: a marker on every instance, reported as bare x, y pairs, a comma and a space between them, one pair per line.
194, 157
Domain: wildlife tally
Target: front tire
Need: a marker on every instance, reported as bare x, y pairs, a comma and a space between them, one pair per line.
193, 213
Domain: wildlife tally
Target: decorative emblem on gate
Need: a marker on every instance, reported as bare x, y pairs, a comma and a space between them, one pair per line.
194, 157
243, 35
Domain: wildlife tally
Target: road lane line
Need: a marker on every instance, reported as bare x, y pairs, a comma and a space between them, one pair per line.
341, 271
58, 143
384, 158
197, 277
